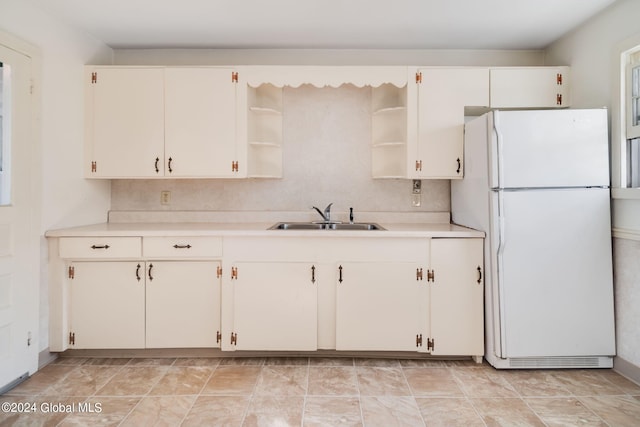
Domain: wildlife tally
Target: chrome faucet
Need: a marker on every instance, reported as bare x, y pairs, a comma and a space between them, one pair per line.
326, 216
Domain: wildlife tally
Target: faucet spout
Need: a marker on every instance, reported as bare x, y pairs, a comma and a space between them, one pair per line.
327, 212
326, 215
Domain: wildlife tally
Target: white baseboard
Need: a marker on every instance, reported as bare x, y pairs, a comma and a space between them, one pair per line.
45, 357
627, 369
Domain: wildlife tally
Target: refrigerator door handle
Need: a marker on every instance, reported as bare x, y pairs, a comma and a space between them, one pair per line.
498, 300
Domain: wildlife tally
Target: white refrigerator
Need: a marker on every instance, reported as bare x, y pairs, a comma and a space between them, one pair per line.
537, 182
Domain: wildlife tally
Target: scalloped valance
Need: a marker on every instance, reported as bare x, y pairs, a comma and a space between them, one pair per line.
323, 76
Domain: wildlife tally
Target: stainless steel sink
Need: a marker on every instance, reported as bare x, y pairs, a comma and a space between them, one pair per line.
355, 226
297, 226
325, 226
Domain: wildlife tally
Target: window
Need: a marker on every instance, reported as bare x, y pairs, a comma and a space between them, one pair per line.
632, 116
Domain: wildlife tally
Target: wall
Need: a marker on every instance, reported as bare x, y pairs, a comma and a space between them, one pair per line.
592, 50
326, 132
66, 198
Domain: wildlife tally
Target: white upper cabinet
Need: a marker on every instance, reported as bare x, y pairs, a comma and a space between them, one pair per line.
530, 87
144, 122
124, 128
435, 144
218, 122
200, 122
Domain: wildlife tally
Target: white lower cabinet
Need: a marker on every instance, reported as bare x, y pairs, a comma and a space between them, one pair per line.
380, 306
183, 304
275, 306
420, 295
107, 304
137, 304
456, 285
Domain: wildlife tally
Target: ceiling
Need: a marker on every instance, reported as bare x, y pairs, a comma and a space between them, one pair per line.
326, 24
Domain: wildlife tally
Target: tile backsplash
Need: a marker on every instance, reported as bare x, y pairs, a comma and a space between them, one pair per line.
326, 158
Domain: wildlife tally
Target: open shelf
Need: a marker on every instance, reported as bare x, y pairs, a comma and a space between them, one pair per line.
264, 131
389, 131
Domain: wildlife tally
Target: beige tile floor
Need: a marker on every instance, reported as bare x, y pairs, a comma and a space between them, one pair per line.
317, 392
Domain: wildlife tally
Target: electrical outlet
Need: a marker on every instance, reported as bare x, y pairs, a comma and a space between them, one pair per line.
165, 197
417, 186
416, 190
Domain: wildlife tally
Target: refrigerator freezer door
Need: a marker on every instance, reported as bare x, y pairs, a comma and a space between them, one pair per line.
554, 273
549, 148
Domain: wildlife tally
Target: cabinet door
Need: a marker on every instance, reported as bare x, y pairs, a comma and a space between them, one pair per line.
442, 96
107, 305
183, 304
275, 306
529, 87
457, 320
124, 122
200, 122
380, 306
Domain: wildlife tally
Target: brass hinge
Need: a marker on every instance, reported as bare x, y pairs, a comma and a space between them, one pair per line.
418, 78
219, 272
218, 337
72, 272
419, 165
234, 166
431, 344
94, 77
431, 276
234, 339
418, 274
419, 340
72, 338
234, 77
559, 99
94, 166
234, 273
559, 79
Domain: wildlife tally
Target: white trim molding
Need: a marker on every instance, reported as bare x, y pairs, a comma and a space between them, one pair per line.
625, 233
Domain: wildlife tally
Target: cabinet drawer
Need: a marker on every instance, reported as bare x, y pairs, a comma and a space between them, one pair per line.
100, 247
182, 247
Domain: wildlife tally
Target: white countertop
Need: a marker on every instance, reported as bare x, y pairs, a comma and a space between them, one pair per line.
254, 229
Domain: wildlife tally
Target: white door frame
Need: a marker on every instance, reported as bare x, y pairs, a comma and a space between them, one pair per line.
33, 238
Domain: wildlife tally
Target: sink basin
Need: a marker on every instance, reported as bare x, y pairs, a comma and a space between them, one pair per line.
325, 226
297, 226
355, 226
